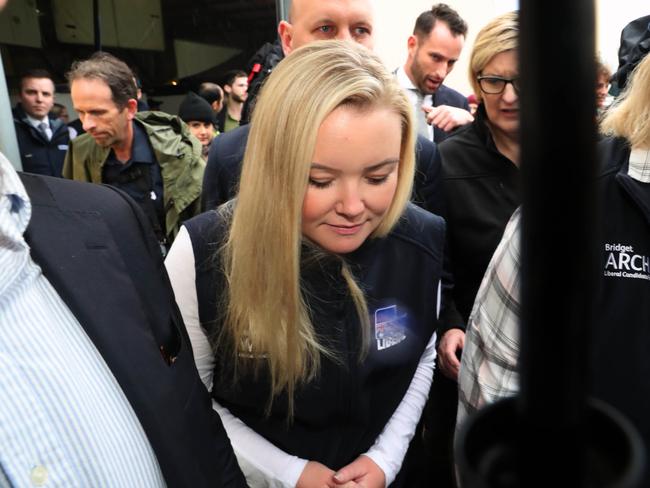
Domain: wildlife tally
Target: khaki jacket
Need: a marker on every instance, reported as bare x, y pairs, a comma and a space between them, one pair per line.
178, 155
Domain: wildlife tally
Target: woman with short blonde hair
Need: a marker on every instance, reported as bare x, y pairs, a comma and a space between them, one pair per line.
480, 177
313, 302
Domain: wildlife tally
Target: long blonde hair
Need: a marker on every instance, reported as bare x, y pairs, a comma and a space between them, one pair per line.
629, 116
265, 310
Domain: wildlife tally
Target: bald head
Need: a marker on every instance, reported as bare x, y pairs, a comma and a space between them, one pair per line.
312, 20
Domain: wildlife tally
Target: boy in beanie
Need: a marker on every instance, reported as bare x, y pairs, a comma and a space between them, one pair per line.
198, 115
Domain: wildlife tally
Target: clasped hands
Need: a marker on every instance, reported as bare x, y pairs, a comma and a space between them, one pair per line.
363, 472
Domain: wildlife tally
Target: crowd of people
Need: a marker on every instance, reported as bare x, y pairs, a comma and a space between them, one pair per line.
296, 283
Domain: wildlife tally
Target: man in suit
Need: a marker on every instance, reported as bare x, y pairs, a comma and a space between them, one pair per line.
43, 140
433, 49
97, 376
345, 20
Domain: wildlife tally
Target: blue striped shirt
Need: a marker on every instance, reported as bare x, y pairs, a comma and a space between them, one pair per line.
64, 420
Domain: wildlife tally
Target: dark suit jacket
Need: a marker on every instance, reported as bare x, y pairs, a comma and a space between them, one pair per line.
38, 154
221, 177
96, 247
447, 96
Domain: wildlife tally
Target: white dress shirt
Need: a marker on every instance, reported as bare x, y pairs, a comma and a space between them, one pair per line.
64, 420
410, 89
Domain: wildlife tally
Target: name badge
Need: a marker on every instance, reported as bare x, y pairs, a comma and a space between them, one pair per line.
63, 147
390, 327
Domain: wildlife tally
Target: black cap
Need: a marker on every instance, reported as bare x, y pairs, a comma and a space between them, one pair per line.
193, 107
635, 45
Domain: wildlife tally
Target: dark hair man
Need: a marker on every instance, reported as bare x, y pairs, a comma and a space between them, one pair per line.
213, 94
433, 49
236, 88
43, 140
59, 111
603, 74
150, 155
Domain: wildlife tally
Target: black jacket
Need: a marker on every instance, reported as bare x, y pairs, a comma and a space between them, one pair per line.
260, 67
38, 155
221, 178
621, 340
96, 247
481, 188
339, 415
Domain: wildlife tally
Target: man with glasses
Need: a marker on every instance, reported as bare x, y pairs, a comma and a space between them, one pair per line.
433, 49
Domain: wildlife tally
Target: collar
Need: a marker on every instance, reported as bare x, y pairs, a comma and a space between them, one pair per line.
482, 128
35, 122
141, 151
639, 167
404, 80
413, 91
15, 207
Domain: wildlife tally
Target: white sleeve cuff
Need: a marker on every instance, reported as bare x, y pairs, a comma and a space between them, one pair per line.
263, 464
390, 447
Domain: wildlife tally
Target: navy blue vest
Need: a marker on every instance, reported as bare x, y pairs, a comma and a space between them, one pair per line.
339, 415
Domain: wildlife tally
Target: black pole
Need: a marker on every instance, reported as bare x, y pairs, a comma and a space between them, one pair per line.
97, 26
558, 137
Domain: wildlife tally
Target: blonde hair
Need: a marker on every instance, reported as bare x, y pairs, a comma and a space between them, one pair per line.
629, 116
265, 307
501, 34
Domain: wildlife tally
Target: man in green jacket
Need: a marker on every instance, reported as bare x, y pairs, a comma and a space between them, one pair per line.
149, 155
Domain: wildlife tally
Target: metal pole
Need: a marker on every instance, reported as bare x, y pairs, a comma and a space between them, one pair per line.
8, 143
559, 255
282, 10
97, 26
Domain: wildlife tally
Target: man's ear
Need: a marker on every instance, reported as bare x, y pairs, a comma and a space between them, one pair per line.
412, 45
285, 31
131, 108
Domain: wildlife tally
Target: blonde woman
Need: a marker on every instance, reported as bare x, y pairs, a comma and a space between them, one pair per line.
619, 334
480, 166
622, 338
311, 299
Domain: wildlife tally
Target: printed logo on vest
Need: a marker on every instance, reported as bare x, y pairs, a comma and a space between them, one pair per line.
390, 327
623, 262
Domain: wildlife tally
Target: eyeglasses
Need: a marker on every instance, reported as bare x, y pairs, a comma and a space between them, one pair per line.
493, 85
